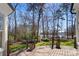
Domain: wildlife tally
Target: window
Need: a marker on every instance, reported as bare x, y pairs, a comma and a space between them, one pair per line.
1, 23
1, 28
0, 39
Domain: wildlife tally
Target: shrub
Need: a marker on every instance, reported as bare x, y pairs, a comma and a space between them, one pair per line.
45, 39
16, 47
35, 37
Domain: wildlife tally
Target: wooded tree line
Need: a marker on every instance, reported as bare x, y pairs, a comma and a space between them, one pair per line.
31, 19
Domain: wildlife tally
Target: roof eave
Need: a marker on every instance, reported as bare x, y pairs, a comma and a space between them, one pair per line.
72, 4
9, 4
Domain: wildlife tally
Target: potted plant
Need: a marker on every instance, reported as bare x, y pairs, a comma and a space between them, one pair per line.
30, 42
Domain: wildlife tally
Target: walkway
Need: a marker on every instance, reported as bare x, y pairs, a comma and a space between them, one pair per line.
47, 51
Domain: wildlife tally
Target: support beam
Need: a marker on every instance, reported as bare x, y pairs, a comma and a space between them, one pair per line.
77, 28
5, 35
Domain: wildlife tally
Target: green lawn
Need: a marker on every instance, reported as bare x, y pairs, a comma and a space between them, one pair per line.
16, 47
67, 42
62, 42
19, 46
43, 43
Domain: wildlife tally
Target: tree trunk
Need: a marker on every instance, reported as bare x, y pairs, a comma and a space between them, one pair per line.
38, 27
67, 23
72, 25
15, 27
58, 38
15, 24
33, 26
53, 32
75, 42
47, 29
43, 26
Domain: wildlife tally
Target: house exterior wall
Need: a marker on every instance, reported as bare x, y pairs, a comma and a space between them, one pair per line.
76, 10
4, 34
5, 10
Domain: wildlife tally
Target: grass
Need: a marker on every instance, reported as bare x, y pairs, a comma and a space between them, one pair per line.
16, 47
67, 43
19, 46
43, 43
62, 43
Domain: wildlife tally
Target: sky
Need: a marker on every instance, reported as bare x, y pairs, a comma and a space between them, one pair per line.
23, 7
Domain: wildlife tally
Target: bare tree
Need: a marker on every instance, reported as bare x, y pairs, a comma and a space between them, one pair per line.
65, 8
40, 15
15, 6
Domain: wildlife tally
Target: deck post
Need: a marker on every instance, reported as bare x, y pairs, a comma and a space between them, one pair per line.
5, 35
77, 28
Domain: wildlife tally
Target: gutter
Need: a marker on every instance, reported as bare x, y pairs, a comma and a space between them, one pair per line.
71, 8
9, 4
